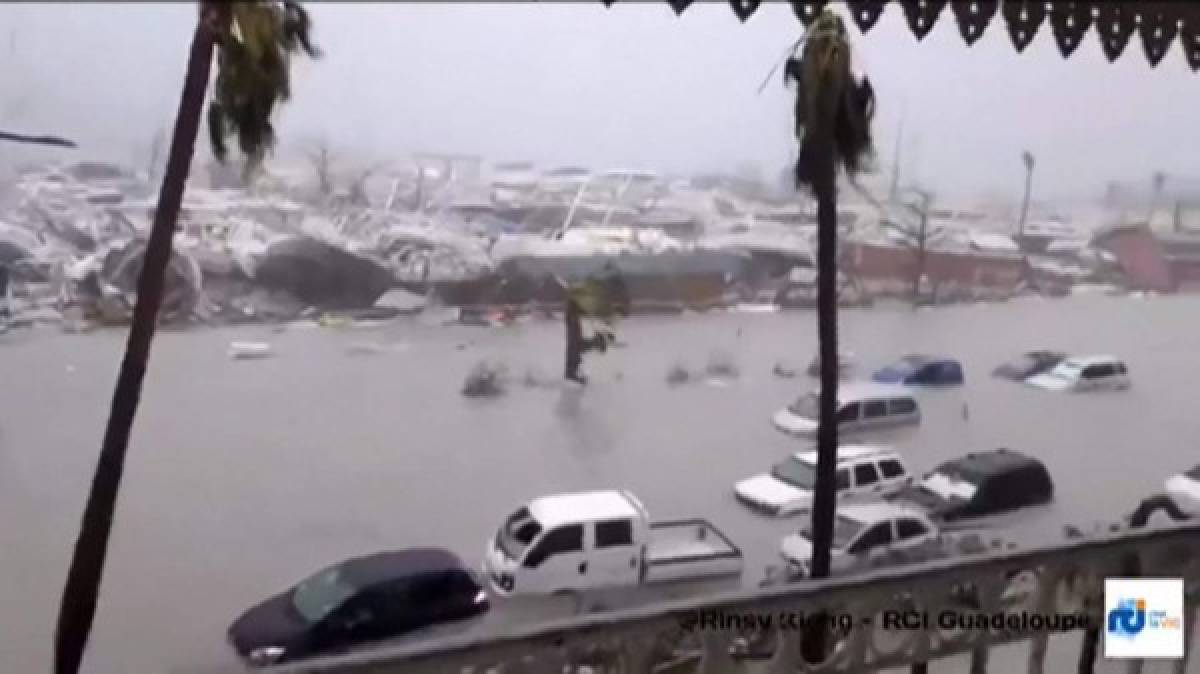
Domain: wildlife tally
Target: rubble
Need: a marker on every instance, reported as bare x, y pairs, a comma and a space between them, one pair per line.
453, 246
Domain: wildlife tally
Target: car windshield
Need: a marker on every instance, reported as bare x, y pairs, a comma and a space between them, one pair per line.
316, 597
806, 406
1194, 473
517, 533
845, 530
799, 474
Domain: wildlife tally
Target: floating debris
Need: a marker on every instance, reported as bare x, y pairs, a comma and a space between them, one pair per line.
249, 350
722, 366
485, 380
678, 375
785, 371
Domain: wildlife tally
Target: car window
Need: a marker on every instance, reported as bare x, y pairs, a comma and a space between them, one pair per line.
891, 468
613, 533
864, 474
874, 409
902, 406
1098, 371
559, 541
880, 534
843, 479
909, 528
848, 412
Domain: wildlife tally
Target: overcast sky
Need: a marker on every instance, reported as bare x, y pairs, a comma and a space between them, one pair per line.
630, 86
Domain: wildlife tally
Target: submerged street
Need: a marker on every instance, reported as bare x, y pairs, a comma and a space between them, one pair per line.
246, 476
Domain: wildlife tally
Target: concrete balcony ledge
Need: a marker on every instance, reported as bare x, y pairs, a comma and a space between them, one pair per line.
1051, 581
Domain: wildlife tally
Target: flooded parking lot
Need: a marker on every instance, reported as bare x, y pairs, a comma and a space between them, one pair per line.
245, 476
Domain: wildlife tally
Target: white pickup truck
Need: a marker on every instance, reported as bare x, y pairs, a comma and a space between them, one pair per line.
585, 541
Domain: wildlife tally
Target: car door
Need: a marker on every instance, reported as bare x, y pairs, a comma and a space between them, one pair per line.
872, 543
1121, 376
893, 475
901, 410
874, 413
842, 483
614, 557
357, 620
556, 561
848, 416
867, 485
911, 532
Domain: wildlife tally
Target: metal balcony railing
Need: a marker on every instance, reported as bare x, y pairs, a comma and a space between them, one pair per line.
1062, 580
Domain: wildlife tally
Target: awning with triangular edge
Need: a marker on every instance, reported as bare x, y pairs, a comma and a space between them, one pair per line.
1157, 23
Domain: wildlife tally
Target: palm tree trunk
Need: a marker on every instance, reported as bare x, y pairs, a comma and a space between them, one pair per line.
78, 606
1025, 205
824, 497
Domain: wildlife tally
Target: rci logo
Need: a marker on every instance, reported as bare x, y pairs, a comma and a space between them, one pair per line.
1128, 618
1144, 618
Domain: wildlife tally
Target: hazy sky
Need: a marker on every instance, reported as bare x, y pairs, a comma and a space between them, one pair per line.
630, 86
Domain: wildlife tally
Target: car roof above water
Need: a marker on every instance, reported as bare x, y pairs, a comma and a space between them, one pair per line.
856, 391
848, 453
393, 564
587, 506
991, 462
868, 513
1084, 361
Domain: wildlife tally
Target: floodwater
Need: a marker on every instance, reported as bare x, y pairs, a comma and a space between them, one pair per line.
245, 476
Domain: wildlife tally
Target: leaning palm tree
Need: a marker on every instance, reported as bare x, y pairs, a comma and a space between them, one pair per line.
833, 113
254, 41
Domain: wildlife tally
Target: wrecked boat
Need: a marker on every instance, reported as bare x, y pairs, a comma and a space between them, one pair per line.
323, 275
105, 283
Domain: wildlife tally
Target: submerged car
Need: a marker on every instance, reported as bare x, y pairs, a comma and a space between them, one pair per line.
979, 485
1029, 364
918, 370
1184, 490
861, 406
359, 600
1084, 373
845, 364
863, 473
862, 533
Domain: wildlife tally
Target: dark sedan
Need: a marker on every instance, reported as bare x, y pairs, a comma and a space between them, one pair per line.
1029, 364
917, 370
980, 485
359, 600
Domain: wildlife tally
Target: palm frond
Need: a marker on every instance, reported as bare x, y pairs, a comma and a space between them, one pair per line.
831, 105
256, 40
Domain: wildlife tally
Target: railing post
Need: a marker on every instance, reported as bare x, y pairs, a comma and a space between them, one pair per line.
1190, 614
979, 660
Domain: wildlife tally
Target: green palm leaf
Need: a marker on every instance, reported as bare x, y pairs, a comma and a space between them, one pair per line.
255, 43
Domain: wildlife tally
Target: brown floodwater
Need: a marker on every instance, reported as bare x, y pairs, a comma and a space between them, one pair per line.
245, 476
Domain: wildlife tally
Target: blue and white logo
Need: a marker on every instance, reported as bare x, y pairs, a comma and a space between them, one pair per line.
1143, 618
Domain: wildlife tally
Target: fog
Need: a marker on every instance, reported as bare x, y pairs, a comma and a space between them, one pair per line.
630, 86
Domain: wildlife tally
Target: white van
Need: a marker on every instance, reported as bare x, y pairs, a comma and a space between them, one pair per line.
863, 473
861, 406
